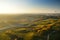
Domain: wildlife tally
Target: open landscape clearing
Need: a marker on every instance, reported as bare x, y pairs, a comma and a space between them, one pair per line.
30, 27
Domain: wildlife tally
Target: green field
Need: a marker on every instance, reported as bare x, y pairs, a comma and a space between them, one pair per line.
30, 27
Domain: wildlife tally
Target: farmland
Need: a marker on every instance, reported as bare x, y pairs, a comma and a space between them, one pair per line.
30, 27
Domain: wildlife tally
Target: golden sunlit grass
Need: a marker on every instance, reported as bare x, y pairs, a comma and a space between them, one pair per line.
32, 30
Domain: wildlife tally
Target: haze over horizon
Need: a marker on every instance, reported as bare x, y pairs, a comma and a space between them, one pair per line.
29, 6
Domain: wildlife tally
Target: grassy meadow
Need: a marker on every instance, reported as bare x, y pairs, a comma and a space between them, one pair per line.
30, 27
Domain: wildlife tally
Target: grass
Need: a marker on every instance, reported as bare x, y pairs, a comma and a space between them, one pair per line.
34, 29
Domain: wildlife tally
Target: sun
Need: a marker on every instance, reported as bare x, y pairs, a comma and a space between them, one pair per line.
11, 9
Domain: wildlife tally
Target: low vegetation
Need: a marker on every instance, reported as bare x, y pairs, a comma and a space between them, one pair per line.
40, 28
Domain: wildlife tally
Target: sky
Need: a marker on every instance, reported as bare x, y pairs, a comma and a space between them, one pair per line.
29, 6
